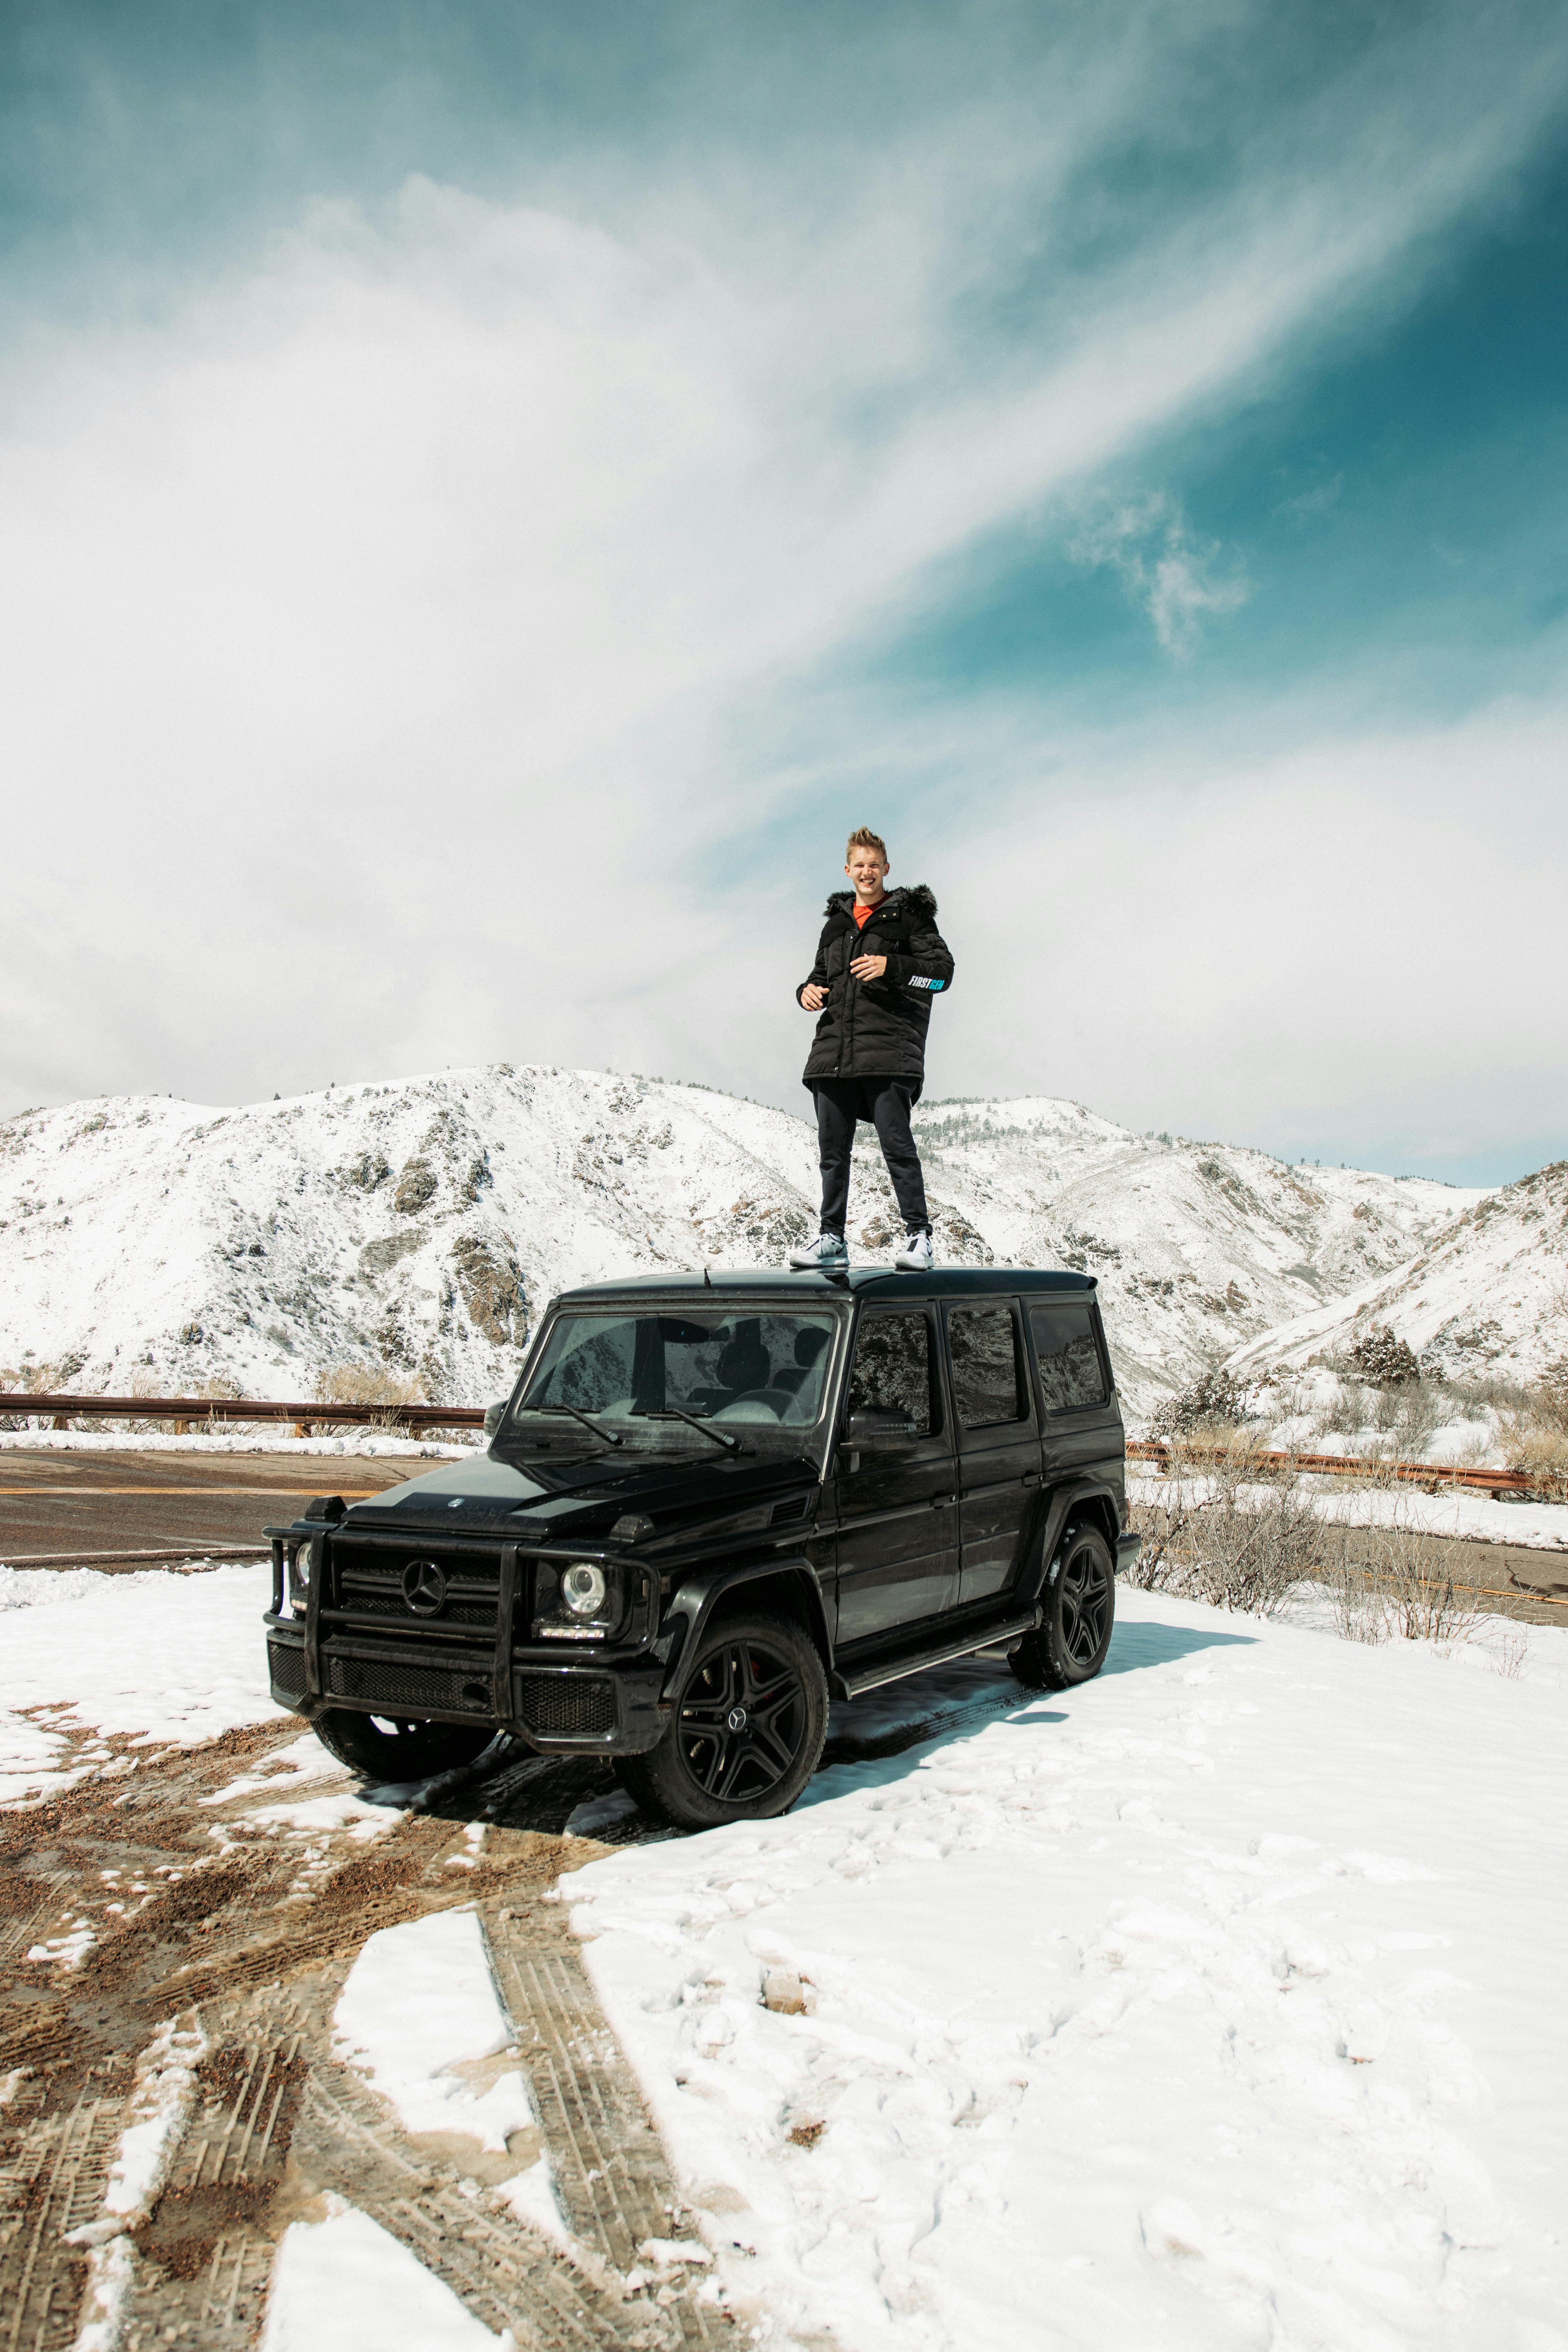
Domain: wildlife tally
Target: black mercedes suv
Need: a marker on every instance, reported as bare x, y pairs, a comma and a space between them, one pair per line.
708, 1504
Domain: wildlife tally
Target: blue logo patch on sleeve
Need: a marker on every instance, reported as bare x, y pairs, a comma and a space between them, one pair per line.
918, 982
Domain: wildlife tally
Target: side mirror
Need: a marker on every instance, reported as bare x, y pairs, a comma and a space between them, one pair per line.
494, 1416
875, 1430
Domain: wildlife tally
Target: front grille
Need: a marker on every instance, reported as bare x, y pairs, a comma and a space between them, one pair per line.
286, 1665
567, 1706
367, 1582
404, 1686
360, 1598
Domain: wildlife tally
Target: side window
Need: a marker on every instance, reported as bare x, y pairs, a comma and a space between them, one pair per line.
891, 1372
1070, 1372
987, 1377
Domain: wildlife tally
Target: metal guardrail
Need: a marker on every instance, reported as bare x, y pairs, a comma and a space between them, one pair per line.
1432, 1476
189, 1412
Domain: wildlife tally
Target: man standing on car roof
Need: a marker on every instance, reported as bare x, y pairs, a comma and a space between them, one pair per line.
879, 962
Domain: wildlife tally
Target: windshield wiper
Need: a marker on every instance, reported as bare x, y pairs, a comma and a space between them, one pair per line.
673, 1413
609, 1436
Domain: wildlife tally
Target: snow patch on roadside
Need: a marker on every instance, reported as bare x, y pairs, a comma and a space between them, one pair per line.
347, 2282
164, 1659
301, 1763
159, 2107
364, 1817
418, 2006
110, 2271
66, 1951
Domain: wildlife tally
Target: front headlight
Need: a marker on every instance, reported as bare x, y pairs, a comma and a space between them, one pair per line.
300, 1561
578, 1601
583, 1589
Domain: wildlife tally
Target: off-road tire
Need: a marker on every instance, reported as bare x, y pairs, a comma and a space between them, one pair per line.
706, 1770
1080, 1611
410, 1751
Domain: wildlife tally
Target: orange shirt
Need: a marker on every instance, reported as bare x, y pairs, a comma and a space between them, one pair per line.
863, 914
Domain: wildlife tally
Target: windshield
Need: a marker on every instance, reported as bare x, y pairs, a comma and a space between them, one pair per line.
765, 1372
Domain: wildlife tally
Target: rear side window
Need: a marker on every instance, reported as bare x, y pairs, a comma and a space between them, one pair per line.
1070, 1372
987, 1377
891, 1372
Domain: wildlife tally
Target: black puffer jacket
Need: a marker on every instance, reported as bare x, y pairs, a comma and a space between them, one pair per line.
878, 1029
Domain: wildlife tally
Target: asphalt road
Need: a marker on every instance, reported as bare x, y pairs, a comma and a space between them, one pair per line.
64, 1508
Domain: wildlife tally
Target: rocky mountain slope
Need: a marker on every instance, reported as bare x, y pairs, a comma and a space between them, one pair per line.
1489, 1295
421, 1224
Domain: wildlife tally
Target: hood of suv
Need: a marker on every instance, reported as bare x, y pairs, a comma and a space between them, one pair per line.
492, 1495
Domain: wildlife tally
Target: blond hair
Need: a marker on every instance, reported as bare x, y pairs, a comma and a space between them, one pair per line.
864, 838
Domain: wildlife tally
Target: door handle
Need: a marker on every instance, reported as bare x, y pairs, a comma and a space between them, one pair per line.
940, 1502
1030, 1478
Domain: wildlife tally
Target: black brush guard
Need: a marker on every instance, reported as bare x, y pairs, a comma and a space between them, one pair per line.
359, 1645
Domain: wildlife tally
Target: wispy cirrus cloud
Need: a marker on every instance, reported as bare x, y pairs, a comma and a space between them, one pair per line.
1179, 580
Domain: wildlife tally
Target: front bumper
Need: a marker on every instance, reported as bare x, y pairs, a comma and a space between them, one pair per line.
354, 1647
609, 1707
1128, 1548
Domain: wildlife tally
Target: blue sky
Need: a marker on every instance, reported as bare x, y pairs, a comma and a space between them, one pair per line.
491, 495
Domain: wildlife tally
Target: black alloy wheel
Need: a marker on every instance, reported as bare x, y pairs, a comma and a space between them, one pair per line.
383, 1748
1080, 1612
746, 1733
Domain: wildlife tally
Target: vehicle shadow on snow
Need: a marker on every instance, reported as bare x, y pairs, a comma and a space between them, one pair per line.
1146, 1643
953, 1701
512, 1787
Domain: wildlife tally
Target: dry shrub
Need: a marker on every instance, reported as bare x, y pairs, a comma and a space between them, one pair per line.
1215, 1401
1347, 1413
1395, 1584
1241, 1533
1535, 1434
1232, 1531
371, 1385
147, 1382
1549, 1396
1541, 1451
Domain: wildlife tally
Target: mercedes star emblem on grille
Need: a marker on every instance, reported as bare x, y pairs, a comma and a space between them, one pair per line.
423, 1586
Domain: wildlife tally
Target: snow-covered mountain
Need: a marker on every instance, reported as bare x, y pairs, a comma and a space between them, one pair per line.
423, 1224
1489, 1294
1198, 1246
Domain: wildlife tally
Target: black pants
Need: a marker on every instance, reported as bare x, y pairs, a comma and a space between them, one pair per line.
885, 1102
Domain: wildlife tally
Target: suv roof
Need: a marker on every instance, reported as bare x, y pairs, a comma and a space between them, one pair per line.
879, 1281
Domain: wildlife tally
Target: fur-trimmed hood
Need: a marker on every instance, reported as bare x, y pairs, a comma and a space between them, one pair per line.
922, 900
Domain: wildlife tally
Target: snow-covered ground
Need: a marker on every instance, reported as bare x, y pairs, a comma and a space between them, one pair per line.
159, 1660
1213, 2004
421, 1224
1216, 2004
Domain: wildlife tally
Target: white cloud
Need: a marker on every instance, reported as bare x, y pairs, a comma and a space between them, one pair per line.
1176, 578
1346, 939
392, 629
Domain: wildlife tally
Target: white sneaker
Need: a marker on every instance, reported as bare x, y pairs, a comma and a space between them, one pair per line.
915, 1257
825, 1255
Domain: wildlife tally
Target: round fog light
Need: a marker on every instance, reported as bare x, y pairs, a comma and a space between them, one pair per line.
583, 1589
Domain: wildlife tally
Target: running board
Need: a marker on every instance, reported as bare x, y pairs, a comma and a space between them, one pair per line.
982, 1637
